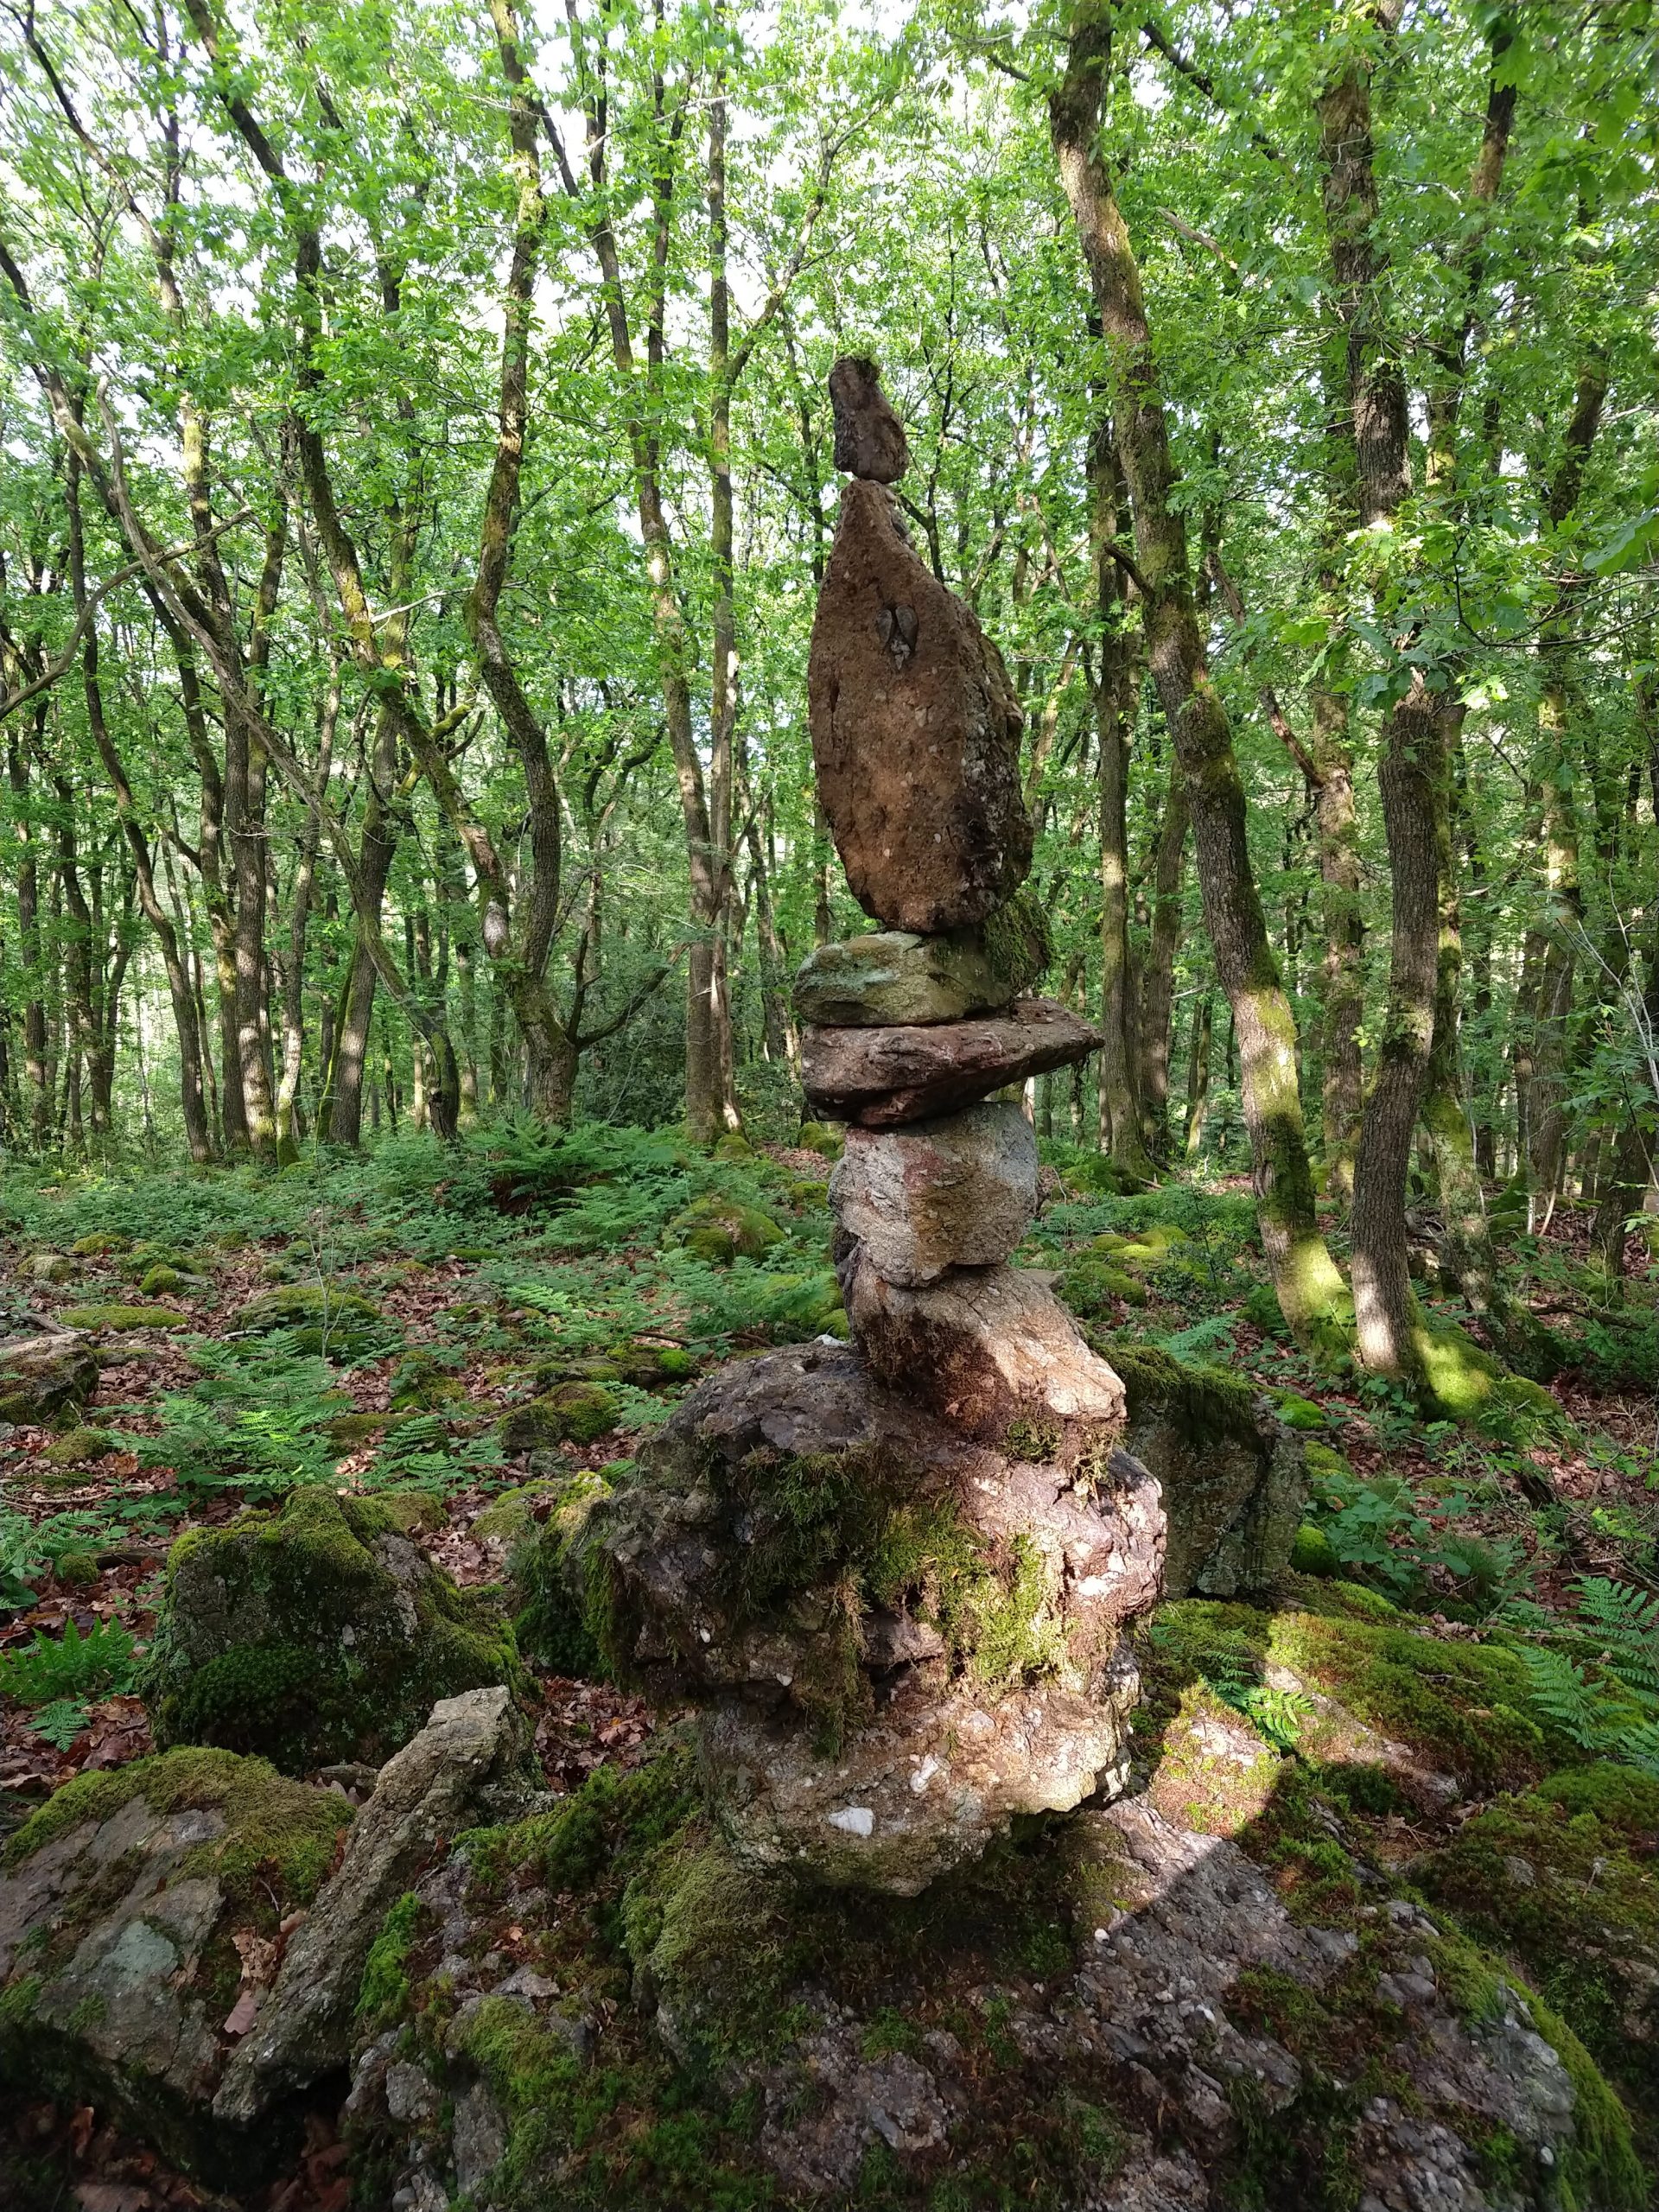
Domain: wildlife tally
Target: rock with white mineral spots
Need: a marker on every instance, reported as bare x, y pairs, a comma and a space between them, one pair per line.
883, 1078
958, 1191
915, 733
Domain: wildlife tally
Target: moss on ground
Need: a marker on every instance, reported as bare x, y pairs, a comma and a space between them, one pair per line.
116, 1320
1562, 1880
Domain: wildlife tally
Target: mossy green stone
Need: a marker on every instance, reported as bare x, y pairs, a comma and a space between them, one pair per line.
76, 1445
322, 1317
117, 1321
161, 1281
575, 1412
318, 1632
1562, 1878
721, 1230
100, 1243
897, 976
1299, 1412
827, 1138
1312, 1554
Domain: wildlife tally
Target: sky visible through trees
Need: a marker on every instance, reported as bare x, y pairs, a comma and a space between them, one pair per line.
417, 477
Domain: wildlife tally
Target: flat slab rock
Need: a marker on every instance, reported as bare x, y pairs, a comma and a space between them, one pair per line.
959, 1191
881, 1078
915, 733
936, 1757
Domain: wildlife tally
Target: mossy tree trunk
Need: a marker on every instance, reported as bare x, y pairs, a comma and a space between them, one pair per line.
1386, 1320
1158, 982
1310, 1288
1114, 701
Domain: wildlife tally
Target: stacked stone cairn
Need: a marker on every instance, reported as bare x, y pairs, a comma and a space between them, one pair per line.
893, 1576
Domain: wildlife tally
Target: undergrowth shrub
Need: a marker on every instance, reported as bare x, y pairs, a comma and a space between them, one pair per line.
256, 1419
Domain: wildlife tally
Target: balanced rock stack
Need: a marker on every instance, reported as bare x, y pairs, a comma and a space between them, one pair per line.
892, 1575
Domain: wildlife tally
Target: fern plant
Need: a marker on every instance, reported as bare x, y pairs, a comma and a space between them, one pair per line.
54, 1668
256, 1419
1606, 1699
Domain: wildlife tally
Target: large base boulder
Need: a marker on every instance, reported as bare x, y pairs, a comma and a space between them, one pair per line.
1116, 2013
45, 1370
898, 1638
318, 1633
140, 1915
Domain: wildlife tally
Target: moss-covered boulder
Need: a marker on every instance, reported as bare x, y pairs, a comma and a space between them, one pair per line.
140, 1910
164, 1281
116, 1319
897, 1639
1563, 1880
322, 1317
316, 1633
1233, 1475
49, 1267
540, 1525
75, 1446
571, 1412
45, 1370
100, 1243
720, 1230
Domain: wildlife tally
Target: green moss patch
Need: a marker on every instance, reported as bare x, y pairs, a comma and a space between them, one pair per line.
1562, 1880
1456, 1707
573, 1412
720, 1230
116, 1320
320, 1316
280, 1841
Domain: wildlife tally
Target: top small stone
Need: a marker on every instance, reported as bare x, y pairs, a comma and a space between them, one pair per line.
869, 437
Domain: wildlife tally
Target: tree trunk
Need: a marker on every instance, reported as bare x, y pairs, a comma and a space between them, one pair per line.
1198, 1074
36, 1075
1158, 984
1114, 688
1310, 1289
1386, 1316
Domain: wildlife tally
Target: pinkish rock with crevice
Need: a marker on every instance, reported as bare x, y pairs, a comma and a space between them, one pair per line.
915, 733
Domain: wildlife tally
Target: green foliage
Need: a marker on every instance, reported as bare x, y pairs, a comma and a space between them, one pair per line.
257, 1418
71, 1666
1607, 1704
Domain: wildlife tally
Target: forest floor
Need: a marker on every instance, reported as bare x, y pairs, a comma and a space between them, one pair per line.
434, 1293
